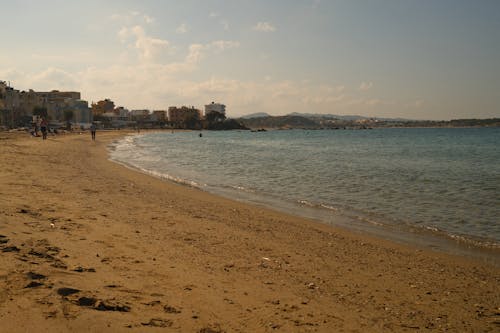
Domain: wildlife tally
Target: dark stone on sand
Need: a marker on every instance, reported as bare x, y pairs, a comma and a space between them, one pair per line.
35, 276
40, 254
81, 269
33, 284
23, 211
11, 249
3, 236
156, 322
3, 240
59, 264
67, 291
102, 306
86, 301
170, 309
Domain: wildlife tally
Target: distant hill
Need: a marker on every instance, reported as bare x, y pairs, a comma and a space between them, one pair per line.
256, 115
343, 117
321, 121
279, 122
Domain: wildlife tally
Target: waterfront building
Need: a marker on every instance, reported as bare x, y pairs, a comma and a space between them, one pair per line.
159, 116
182, 117
103, 106
215, 107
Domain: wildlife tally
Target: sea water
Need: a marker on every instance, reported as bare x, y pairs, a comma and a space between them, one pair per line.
439, 180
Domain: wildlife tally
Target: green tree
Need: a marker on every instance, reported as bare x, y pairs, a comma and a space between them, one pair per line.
192, 121
215, 117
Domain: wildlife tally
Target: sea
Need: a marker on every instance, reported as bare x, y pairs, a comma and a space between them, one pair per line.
436, 187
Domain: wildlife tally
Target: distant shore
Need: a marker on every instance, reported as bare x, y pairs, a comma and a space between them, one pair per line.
89, 245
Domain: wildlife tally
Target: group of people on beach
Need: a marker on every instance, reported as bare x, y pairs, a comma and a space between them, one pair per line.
43, 125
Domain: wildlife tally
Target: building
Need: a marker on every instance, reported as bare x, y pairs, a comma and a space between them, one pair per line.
9, 104
159, 116
139, 114
182, 117
215, 107
103, 106
16, 107
121, 112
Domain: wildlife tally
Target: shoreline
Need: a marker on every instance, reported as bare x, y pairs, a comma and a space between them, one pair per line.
144, 253
429, 238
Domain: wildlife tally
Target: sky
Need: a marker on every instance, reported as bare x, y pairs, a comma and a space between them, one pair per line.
413, 59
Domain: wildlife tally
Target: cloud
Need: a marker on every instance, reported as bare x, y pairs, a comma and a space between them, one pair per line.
182, 29
148, 19
214, 14
225, 24
221, 45
132, 17
48, 79
365, 86
264, 27
149, 48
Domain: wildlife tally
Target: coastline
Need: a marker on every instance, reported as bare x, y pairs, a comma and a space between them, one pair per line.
428, 235
177, 257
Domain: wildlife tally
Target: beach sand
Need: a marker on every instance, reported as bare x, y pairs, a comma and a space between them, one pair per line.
88, 245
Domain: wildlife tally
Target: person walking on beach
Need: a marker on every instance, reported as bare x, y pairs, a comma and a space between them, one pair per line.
92, 131
43, 128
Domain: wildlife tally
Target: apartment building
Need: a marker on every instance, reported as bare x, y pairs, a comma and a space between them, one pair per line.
215, 107
181, 116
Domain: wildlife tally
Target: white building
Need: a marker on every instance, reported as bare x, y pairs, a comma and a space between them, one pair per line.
215, 107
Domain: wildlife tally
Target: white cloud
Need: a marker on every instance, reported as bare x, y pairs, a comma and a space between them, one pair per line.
148, 19
225, 24
132, 17
264, 27
214, 14
222, 45
365, 86
149, 48
182, 29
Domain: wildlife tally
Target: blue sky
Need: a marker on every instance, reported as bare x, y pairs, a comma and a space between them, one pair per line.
418, 59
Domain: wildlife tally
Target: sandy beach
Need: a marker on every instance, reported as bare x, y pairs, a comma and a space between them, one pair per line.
87, 245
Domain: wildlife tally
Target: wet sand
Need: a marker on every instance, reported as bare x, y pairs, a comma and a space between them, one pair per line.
89, 245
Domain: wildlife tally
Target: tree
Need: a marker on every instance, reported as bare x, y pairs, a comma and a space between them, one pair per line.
192, 121
215, 117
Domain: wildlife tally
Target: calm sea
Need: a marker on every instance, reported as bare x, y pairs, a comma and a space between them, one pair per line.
437, 181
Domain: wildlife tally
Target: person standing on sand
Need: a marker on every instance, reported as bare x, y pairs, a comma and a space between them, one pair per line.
43, 128
92, 131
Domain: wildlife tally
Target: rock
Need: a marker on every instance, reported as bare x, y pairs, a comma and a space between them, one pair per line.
35, 276
157, 322
3, 240
11, 249
81, 269
311, 285
170, 309
102, 306
34, 284
67, 291
86, 301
